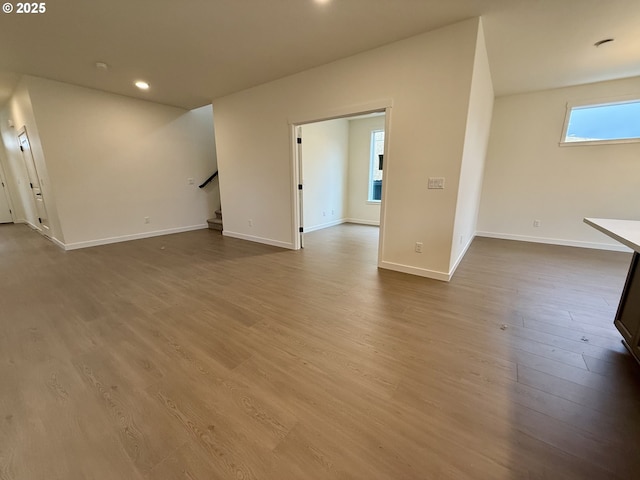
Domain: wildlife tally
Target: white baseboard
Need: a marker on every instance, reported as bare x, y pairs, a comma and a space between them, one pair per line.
39, 230
30, 225
362, 222
324, 225
57, 242
461, 256
555, 241
135, 236
251, 238
421, 272
339, 222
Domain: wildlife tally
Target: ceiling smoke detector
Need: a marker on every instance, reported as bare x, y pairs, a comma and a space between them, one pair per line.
102, 66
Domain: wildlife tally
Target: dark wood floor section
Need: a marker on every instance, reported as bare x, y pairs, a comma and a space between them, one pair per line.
195, 356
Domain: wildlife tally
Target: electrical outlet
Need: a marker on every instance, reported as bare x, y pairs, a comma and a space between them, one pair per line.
190, 181
333, 212
147, 220
418, 247
536, 223
324, 214
250, 222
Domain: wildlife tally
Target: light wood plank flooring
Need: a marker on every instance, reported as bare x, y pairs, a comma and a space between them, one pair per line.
195, 356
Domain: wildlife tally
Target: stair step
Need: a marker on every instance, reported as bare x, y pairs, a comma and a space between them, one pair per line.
215, 224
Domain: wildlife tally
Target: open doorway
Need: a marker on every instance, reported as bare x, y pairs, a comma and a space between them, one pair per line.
340, 171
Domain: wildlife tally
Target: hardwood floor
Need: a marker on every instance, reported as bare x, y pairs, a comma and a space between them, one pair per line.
196, 356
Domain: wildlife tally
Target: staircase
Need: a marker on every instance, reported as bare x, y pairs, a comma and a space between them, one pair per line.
216, 223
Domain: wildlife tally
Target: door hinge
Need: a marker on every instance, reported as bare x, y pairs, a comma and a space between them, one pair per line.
39, 219
299, 186
301, 230
21, 148
2, 184
299, 140
31, 184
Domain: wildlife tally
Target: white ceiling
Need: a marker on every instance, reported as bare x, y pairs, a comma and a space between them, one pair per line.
192, 51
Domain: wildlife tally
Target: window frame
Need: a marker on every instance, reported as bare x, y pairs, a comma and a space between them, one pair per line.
372, 143
596, 103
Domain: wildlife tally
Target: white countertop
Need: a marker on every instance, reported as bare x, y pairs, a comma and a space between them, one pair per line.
627, 232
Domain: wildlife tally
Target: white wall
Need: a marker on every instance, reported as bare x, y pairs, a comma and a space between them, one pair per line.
113, 160
473, 157
325, 156
19, 110
427, 78
529, 176
360, 209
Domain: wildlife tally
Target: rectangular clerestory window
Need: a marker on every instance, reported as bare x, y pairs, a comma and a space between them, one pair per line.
602, 123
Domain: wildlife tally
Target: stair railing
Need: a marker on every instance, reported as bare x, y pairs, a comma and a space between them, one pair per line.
208, 180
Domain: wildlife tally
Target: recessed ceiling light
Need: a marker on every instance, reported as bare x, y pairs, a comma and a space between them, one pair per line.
602, 42
322, 2
102, 66
142, 85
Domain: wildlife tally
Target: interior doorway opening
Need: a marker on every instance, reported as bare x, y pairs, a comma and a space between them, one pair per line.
340, 167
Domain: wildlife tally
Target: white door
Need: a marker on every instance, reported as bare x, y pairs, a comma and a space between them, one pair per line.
5, 211
34, 181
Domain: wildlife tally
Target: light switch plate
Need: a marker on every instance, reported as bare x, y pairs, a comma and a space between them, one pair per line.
436, 183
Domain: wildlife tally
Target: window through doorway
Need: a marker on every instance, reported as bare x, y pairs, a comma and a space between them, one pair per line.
375, 166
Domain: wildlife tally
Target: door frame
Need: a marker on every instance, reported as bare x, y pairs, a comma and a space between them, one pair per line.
299, 187
7, 193
43, 227
385, 106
